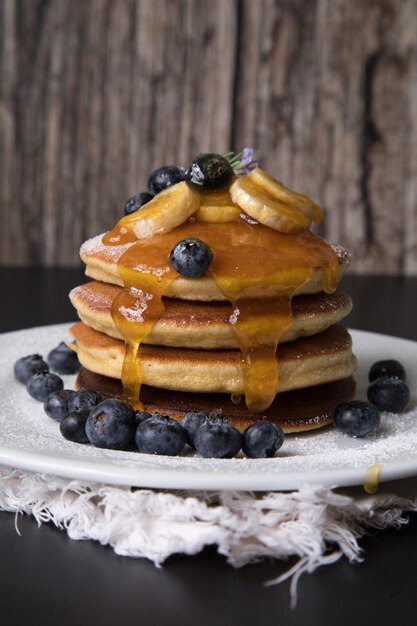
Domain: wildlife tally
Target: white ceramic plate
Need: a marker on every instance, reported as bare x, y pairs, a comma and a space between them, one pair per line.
30, 440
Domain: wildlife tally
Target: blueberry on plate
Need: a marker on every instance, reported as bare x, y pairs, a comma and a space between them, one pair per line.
160, 435
40, 385
63, 360
356, 418
141, 415
26, 366
210, 172
262, 439
72, 426
388, 367
56, 404
190, 422
191, 257
165, 177
84, 400
137, 202
217, 439
389, 394
111, 424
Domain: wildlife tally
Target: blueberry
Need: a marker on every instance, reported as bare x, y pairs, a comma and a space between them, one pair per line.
72, 426
84, 400
63, 360
210, 171
26, 366
140, 416
160, 435
56, 404
356, 418
191, 257
389, 367
190, 422
111, 424
217, 439
165, 177
40, 385
262, 439
136, 202
389, 394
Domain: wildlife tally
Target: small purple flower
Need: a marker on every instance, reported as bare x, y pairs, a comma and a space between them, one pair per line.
247, 156
243, 162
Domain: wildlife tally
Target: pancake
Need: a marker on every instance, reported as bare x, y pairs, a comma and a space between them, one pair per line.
261, 278
102, 265
295, 411
187, 324
309, 361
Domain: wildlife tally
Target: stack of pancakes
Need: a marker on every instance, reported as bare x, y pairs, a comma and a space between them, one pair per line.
191, 358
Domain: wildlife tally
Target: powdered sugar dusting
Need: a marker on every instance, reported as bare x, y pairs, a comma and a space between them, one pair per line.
94, 299
342, 254
96, 247
30, 440
135, 312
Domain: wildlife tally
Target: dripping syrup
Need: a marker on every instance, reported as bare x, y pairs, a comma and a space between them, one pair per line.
257, 269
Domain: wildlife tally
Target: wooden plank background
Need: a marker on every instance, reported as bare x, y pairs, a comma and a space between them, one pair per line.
94, 94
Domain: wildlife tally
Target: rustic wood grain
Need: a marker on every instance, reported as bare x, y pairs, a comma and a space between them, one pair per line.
94, 94
333, 89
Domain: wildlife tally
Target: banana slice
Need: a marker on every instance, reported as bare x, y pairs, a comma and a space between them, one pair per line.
277, 189
217, 206
216, 213
221, 197
167, 210
269, 202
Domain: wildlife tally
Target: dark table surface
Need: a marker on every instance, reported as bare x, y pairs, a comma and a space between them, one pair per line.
47, 579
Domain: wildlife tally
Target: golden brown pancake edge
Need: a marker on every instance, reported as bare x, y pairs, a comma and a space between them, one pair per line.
102, 265
205, 325
306, 362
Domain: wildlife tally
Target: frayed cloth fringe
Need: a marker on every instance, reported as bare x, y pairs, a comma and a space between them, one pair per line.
315, 524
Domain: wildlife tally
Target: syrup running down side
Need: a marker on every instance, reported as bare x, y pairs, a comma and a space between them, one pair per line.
257, 269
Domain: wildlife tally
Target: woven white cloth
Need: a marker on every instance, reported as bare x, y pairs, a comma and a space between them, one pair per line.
316, 524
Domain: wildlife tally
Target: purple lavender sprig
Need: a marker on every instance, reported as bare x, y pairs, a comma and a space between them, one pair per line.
243, 162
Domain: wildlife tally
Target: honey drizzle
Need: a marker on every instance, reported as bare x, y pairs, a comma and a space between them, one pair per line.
258, 326
135, 310
257, 269
371, 481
